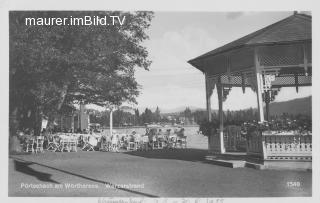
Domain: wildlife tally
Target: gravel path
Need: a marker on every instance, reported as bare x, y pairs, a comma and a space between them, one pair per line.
179, 173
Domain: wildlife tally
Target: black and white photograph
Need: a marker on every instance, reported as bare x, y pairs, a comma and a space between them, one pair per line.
147, 103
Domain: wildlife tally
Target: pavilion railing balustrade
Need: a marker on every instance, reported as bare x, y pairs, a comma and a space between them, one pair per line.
266, 145
254, 144
280, 146
233, 140
214, 141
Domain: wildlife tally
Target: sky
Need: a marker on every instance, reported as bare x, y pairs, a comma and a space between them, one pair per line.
176, 37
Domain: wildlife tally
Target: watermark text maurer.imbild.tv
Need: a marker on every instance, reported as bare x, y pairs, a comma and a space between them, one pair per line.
76, 21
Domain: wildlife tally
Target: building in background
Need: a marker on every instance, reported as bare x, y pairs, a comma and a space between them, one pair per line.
79, 120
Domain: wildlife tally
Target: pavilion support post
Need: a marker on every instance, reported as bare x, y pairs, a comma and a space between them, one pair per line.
221, 127
259, 85
61, 124
296, 81
267, 107
305, 59
72, 122
79, 122
111, 122
208, 98
209, 116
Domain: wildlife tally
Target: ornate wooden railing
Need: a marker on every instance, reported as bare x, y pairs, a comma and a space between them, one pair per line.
266, 145
214, 141
280, 146
233, 140
254, 144
287, 147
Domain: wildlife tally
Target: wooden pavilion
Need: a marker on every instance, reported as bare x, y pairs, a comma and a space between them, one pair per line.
276, 56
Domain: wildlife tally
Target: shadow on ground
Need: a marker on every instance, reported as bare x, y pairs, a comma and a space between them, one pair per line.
177, 154
190, 154
24, 167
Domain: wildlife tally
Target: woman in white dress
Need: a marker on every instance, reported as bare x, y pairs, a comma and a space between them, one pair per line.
115, 142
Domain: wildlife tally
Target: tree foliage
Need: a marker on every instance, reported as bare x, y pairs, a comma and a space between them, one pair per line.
56, 66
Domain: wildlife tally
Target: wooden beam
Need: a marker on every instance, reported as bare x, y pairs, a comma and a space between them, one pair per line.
259, 85
286, 66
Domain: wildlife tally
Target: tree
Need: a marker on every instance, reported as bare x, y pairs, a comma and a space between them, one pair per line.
157, 116
200, 116
56, 66
136, 117
147, 116
187, 113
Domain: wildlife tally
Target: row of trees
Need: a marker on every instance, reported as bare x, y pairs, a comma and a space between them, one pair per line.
238, 117
54, 67
121, 118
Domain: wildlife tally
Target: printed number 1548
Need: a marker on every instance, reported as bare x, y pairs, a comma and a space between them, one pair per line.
293, 184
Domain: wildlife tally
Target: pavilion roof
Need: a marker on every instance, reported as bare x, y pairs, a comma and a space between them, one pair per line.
295, 28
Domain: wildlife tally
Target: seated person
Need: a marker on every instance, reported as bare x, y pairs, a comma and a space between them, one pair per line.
161, 136
180, 133
123, 138
145, 139
115, 139
131, 138
115, 142
105, 139
137, 137
168, 132
93, 141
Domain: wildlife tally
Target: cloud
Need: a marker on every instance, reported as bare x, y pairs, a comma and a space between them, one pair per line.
171, 81
173, 49
234, 15
186, 43
171, 96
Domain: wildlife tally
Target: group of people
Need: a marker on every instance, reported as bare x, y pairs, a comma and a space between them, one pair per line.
115, 141
153, 137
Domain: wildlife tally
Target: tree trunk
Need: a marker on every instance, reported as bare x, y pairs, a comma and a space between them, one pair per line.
13, 121
50, 123
60, 103
62, 95
38, 120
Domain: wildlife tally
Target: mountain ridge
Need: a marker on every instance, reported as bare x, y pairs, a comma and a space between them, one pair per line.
295, 106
